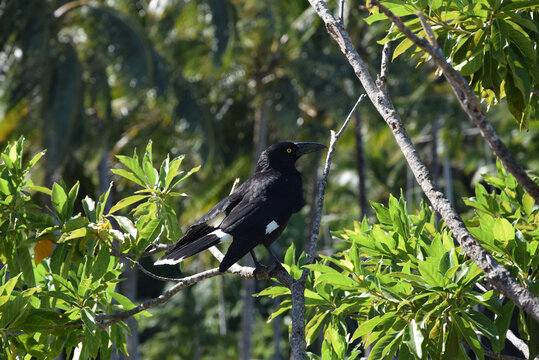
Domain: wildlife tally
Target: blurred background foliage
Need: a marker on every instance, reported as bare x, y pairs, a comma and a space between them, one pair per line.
218, 80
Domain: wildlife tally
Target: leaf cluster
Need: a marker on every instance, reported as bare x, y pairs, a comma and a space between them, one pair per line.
60, 268
406, 290
492, 42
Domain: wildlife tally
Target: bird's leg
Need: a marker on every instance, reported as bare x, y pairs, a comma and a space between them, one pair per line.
257, 263
276, 261
259, 268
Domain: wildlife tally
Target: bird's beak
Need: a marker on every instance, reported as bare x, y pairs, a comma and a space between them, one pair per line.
308, 147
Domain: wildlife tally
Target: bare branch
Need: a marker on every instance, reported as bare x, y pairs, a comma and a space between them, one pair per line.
495, 274
518, 343
149, 273
322, 186
466, 96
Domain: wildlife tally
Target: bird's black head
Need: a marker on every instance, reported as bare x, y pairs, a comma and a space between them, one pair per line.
285, 154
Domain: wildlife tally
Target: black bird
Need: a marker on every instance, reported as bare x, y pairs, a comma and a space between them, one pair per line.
256, 213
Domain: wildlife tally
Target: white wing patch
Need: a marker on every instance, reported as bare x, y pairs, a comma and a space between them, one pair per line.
223, 236
271, 227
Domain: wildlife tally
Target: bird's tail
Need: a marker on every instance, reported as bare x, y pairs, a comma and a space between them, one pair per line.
183, 250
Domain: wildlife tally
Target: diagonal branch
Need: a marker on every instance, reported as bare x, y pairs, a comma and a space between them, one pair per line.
495, 274
466, 96
322, 187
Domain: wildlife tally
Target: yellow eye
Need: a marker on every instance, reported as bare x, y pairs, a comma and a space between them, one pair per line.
289, 150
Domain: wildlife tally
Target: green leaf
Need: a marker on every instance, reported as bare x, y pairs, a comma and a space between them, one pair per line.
518, 5
514, 96
75, 223
25, 262
126, 225
7, 288
14, 311
386, 347
284, 306
336, 280
147, 165
527, 203
124, 301
179, 179
57, 258
132, 164
126, 202
415, 339
503, 230
404, 45
101, 263
429, 272
89, 321
273, 291
468, 334
382, 213
368, 326
58, 199
314, 326
148, 233
173, 170
452, 347
171, 222
78, 233
102, 204
482, 323
88, 205
290, 255
321, 268
30, 164
71, 197
129, 176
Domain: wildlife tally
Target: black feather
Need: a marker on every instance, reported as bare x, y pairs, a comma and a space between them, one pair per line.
270, 196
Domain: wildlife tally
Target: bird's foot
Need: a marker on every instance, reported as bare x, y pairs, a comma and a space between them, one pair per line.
262, 272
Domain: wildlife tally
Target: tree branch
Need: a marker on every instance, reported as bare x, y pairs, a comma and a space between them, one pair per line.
518, 343
495, 274
322, 186
466, 96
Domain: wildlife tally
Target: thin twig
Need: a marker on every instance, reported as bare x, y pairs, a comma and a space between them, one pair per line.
150, 274
315, 228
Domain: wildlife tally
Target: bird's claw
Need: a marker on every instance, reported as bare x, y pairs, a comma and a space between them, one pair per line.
262, 272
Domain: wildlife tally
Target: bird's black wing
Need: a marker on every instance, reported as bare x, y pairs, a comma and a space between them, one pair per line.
249, 221
197, 238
